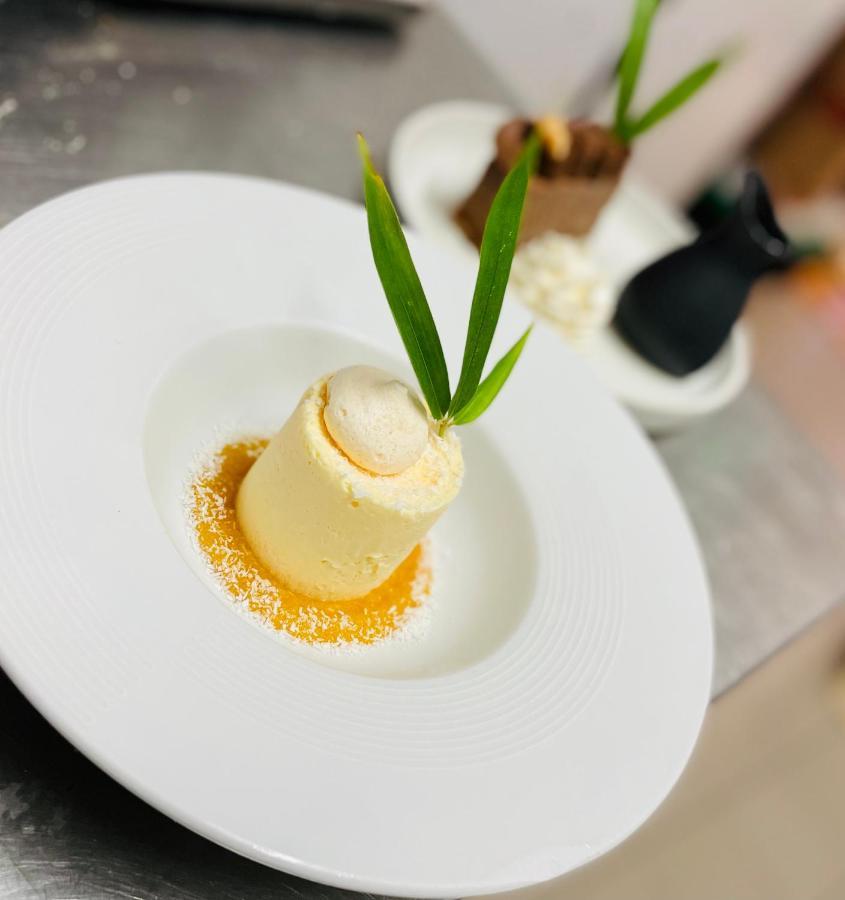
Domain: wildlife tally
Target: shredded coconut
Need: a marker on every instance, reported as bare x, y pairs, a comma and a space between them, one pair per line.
399, 609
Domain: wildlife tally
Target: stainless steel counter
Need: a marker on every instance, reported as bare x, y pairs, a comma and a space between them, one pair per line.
107, 90
770, 516
91, 91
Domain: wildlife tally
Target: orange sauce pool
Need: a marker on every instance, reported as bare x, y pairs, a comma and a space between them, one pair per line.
364, 620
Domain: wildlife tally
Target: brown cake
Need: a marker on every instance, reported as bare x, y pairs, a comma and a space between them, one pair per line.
579, 168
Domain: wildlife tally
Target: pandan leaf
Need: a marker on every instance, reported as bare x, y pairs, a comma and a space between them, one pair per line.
673, 98
632, 57
403, 290
497, 249
492, 384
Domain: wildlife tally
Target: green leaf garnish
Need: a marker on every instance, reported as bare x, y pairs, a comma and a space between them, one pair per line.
632, 58
410, 308
497, 249
403, 290
492, 384
626, 127
673, 98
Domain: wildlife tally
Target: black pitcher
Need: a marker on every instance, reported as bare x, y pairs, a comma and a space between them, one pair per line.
679, 311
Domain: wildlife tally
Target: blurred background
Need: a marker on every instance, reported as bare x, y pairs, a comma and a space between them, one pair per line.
91, 89
562, 55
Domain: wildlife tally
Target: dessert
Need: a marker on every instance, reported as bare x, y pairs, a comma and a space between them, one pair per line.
362, 469
581, 161
316, 509
577, 175
320, 531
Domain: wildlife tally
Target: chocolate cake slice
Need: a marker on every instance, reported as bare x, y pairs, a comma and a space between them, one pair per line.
579, 168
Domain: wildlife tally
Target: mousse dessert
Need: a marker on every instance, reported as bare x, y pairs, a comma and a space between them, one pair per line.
319, 531
349, 486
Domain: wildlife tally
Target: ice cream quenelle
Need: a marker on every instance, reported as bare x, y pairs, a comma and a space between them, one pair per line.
349, 486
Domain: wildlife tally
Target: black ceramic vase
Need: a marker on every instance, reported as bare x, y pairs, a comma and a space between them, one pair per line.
679, 311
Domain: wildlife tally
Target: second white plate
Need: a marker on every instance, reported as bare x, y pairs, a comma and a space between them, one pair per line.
438, 155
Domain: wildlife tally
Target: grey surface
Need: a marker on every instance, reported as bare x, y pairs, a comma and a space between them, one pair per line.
770, 516
283, 98
261, 94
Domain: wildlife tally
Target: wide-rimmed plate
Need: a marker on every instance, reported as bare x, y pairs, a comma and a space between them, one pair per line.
437, 156
137, 316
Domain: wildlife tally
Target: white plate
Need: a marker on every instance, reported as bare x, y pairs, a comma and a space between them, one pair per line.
139, 315
438, 155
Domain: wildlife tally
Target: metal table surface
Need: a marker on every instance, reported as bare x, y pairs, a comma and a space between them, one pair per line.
90, 91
